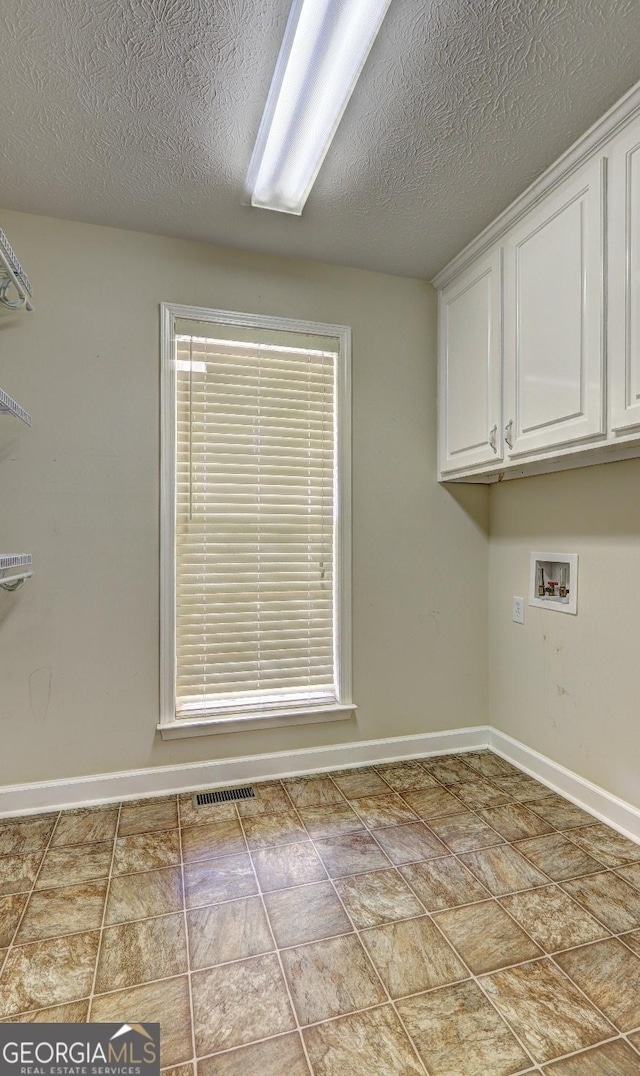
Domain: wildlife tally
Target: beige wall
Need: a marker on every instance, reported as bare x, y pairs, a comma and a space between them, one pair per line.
79, 644
568, 686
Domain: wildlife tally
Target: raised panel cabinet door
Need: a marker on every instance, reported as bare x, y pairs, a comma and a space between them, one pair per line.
554, 318
470, 319
624, 278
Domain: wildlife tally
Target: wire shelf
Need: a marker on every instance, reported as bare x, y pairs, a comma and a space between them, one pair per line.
8, 406
15, 560
20, 566
13, 276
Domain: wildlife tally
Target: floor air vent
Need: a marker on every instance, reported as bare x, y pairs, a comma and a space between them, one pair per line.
223, 795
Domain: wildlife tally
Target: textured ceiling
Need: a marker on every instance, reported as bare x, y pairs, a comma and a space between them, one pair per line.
142, 114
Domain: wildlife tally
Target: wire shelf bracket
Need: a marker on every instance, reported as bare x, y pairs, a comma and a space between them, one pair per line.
19, 564
13, 279
8, 406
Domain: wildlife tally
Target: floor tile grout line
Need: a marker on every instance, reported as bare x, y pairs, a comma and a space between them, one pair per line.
426, 859
67, 844
343, 934
617, 866
551, 881
56, 1005
479, 851
11, 821
358, 933
598, 918
616, 871
583, 992
107, 926
368, 957
598, 870
621, 938
391, 825
550, 957
376, 972
558, 883
602, 869
625, 1036
513, 840
425, 820
474, 977
567, 831
476, 808
137, 874
568, 948
357, 930
418, 818
104, 912
303, 1027
543, 836
471, 975
497, 789
579, 1053
135, 986
544, 955
473, 809
428, 822
156, 831
341, 1016
186, 938
343, 801
265, 912
95, 878
29, 895
88, 881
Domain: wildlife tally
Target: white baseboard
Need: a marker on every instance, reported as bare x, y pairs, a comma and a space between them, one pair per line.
606, 807
44, 796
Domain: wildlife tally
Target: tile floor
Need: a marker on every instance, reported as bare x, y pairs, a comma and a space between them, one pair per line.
450, 917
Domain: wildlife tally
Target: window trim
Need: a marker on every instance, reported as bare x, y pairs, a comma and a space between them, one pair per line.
170, 726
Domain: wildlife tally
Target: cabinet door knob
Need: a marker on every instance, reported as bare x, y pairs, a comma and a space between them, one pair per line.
493, 434
508, 434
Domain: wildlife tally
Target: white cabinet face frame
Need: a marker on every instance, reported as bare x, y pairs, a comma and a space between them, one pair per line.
624, 279
470, 366
554, 318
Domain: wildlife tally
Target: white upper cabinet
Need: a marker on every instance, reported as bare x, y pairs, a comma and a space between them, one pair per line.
554, 318
470, 317
624, 280
566, 257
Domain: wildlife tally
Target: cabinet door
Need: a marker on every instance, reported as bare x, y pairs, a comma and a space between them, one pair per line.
470, 319
624, 278
554, 318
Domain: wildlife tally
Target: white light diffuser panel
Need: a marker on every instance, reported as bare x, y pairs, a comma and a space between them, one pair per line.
324, 49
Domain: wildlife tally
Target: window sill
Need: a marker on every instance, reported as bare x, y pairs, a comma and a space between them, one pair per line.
207, 726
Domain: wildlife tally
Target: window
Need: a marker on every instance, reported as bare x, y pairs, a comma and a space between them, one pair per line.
255, 522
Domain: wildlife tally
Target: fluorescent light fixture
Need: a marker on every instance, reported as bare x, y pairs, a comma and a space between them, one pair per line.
325, 46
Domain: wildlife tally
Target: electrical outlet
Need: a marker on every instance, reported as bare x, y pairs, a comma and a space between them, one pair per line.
517, 614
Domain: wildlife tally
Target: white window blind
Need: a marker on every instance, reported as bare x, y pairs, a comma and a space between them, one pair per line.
255, 521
